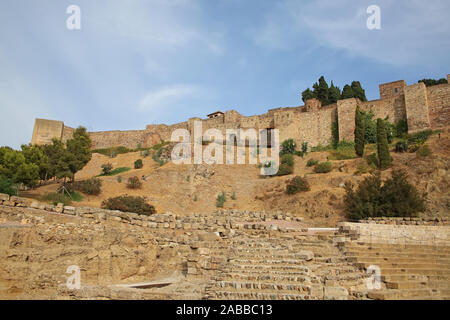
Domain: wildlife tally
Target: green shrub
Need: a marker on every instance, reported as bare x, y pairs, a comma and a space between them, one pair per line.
287, 159
7, 186
91, 186
221, 198
401, 146
106, 168
305, 147
312, 162
138, 164
119, 179
296, 185
195, 198
288, 147
424, 151
134, 183
299, 154
419, 137
284, 170
233, 196
395, 198
323, 167
127, 203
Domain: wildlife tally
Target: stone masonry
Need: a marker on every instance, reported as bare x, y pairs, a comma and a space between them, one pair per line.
423, 108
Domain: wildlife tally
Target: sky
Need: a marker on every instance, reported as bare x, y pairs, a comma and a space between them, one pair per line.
140, 62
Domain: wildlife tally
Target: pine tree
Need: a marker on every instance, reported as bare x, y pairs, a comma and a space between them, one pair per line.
334, 94
358, 91
382, 145
79, 148
308, 94
359, 133
347, 92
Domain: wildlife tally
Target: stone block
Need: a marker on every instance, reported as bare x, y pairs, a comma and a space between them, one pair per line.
335, 293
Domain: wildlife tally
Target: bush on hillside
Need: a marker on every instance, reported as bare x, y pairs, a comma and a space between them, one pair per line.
296, 185
288, 147
134, 183
221, 198
127, 203
312, 162
138, 164
106, 168
91, 186
323, 167
401, 146
396, 197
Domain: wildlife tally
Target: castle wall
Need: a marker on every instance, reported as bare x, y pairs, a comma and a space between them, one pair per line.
423, 107
106, 139
416, 107
346, 113
45, 130
439, 105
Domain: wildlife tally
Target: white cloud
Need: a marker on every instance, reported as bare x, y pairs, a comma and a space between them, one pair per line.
168, 97
411, 29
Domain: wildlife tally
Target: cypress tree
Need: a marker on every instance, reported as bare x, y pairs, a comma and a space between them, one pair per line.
358, 91
384, 157
347, 92
359, 133
334, 94
322, 91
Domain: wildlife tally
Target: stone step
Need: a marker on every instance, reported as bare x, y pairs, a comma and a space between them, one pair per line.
232, 295
267, 271
407, 266
265, 277
263, 286
414, 271
267, 262
399, 259
414, 277
394, 294
398, 248
418, 285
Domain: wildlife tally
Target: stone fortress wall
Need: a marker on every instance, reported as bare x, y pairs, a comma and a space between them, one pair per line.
423, 107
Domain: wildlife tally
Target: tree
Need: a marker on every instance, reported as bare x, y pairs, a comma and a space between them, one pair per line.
433, 82
335, 132
288, 147
14, 167
358, 91
322, 91
36, 154
308, 94
59, 159
79, 149
384, 157
359, 133
334, 94
347, 92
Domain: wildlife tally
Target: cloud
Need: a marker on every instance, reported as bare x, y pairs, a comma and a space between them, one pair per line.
167, 97
410, 29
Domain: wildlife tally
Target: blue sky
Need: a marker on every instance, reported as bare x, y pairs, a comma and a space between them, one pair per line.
139, 62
